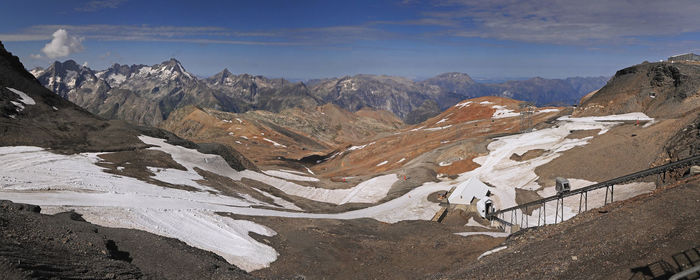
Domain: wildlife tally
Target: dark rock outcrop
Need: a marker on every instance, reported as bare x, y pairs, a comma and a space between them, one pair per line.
659, 89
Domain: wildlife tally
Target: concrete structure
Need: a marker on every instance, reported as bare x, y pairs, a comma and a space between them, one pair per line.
685, 57
468, 192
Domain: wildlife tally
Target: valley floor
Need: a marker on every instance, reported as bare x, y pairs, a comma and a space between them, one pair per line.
258, 220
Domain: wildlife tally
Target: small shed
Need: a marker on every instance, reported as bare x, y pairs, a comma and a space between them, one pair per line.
562, 185
468, 191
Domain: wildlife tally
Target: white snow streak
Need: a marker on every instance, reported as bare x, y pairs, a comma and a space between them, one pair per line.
23, 97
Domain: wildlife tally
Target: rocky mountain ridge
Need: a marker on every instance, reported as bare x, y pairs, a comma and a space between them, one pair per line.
147, 94
659, 89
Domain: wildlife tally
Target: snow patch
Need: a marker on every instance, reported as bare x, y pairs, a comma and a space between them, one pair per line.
274, 143
438, 128
382, 163
290, 176
353, 148
489, 233
19, 105
23, 97
203, 229
309, 170
489, 252
464, 104
503, 112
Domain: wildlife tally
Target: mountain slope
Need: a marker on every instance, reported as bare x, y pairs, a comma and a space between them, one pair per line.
64, 245
658, 89
394, 94
292, 133
247, 92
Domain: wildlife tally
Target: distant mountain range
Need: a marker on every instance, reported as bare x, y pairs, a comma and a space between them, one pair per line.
148, 94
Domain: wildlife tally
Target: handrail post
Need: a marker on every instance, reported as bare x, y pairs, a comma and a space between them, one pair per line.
612, 191
556, 212
605, 202
544, 207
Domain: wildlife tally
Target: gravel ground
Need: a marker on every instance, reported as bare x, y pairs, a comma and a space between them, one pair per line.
604, 243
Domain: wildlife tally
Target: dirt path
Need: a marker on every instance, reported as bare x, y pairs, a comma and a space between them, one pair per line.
366, 248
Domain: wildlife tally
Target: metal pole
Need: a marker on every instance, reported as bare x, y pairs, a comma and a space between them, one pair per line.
539, 214
606, 196
527, 220
562, 209
586, 203
612, 191
663, 177
580, 200
511, 216
556, 212
544, 208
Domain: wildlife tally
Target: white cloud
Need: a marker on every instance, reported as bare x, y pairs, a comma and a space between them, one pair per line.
588, 22
36, 56
24, 37
97, 5
62, 44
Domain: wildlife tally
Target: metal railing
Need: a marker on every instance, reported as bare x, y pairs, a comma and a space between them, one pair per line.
500, 215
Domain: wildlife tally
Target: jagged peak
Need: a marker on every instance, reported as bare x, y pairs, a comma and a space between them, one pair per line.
174, 66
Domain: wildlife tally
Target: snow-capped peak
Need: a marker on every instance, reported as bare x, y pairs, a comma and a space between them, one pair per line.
169, 70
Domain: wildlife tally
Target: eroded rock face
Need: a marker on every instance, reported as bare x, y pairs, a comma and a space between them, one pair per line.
684, 144
660, 90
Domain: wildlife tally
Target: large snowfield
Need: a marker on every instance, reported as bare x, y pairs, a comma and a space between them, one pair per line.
74, 182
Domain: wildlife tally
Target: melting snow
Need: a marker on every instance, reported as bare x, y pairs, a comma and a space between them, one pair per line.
290, 176
23, 97
463, 104
119, 201
503, 112
489, 252
442, 120
438, 128
274, 143
20, 106
382, 163
489, 233
358, 147
472, 223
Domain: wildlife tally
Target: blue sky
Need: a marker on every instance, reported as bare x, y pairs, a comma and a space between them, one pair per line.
312, 39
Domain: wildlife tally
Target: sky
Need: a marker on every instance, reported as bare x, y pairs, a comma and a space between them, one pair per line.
303, 39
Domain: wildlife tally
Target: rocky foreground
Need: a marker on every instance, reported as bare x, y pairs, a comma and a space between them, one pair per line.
64, 246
